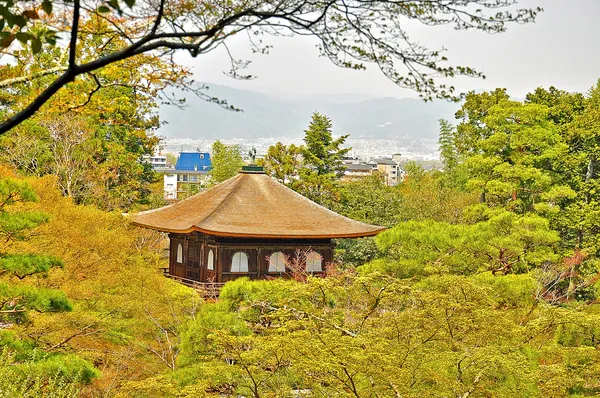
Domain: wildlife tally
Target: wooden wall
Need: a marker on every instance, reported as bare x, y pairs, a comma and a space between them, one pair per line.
196, 247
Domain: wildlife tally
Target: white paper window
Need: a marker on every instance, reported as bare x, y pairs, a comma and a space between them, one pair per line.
313, 262
179, 253
211, 260
239, 262
277, 262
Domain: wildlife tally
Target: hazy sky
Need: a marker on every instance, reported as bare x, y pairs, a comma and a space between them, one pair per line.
560, 49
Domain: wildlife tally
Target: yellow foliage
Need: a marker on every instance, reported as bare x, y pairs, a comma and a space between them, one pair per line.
123, 305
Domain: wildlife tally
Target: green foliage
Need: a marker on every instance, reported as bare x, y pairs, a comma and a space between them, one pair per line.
282, 162
355, 252
368, 199
37, 374
17, 298
415, 172
226, 161
455, 173
471, 130
442, 336
93, 133
13, 191
15, 225
510, 291
456, 298
68, 367
563, 106
313, 169
429, 196
22, 265
539, 156
321, 189
198, 339
448, 153
505, 243
121, 314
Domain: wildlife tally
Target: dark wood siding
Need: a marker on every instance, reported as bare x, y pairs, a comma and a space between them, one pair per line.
197, 246
193, 261
176, 268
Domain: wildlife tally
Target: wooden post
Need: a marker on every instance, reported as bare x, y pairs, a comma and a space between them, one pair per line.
258, 261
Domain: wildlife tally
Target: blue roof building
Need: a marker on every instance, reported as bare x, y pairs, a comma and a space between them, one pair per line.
191, 175
194, 161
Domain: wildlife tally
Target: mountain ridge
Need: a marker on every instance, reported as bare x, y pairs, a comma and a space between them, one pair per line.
272, 115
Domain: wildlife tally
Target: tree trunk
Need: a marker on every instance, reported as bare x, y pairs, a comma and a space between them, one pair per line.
590, 169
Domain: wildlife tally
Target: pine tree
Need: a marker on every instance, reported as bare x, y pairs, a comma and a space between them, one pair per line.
16, 297
447, 146
322, 154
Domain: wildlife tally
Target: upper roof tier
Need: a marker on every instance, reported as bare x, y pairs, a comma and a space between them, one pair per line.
252, 204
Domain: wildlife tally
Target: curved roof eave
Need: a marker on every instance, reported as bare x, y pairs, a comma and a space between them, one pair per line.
264, 236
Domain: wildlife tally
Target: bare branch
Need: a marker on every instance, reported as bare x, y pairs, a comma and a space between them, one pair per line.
91, 94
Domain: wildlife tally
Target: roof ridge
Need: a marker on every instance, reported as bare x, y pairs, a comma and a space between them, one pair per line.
227, 197
214, 189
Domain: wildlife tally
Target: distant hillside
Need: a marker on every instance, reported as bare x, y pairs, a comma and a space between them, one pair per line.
277, 115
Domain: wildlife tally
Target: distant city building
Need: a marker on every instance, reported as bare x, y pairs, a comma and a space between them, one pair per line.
157, 160
357, 170
391, 171
350, 160
188, 177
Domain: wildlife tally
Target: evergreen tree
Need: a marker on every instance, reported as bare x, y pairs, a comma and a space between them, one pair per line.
322, 154
448, 154
17, 297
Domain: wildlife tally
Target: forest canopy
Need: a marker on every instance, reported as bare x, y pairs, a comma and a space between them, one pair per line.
484, 284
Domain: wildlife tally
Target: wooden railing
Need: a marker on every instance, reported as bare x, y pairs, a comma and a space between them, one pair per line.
207, 289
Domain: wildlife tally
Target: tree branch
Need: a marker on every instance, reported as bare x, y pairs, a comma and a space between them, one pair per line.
351, 34
74, 32
161, 11
91, 94
21, 79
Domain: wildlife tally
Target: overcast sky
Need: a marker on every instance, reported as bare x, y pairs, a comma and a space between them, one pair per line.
560, 49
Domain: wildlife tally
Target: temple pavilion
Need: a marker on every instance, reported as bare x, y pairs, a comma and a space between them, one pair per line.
249, 225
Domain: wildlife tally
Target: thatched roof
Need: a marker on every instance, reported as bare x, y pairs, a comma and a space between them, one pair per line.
252, 204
